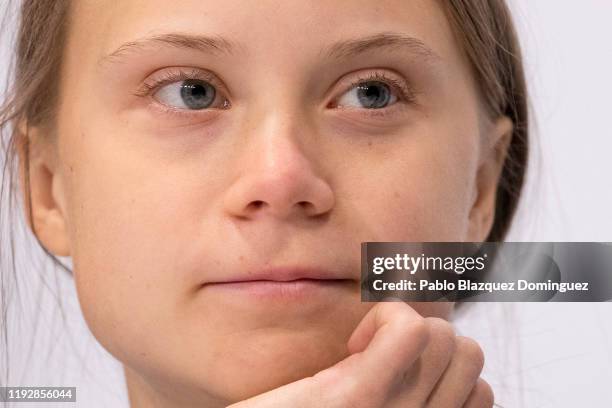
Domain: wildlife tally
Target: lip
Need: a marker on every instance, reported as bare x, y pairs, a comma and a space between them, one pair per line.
284, 274
299, 289
283, 284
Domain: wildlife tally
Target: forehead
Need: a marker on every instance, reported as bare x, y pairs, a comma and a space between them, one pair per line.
281, 30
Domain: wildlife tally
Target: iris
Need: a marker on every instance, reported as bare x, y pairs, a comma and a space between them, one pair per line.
197, 94
373, 94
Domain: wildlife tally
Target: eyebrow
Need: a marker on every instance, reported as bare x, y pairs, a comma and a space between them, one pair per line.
215, 45
386, 40
205, 44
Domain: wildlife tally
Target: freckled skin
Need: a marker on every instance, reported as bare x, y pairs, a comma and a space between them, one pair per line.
151, 204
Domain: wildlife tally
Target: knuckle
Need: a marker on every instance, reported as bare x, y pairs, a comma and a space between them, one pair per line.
420, 331
385, 308
484, 393
398, 310
469, 350
441, 331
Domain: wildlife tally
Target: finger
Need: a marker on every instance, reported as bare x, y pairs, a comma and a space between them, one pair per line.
385, 344
388, 340
379, 315
303, 393
481, 396
425, 373
455, 385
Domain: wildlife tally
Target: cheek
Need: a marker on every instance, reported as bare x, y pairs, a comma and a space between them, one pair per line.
137, 225
133, 219
421, 191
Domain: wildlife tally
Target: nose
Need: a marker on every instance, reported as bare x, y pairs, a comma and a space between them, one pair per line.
277, 178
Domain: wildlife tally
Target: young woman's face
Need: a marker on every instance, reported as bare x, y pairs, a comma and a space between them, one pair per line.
202, 141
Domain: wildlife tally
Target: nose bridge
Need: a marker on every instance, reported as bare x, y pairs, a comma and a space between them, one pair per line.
277, 165
275, 142
278, 173
278, 101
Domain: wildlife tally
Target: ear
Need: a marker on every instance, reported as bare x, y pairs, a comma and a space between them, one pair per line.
45, 189
493, 153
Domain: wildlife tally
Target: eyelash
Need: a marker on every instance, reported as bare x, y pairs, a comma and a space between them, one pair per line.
150, 86
405, 93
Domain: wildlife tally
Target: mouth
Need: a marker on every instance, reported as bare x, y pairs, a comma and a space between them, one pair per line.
289, 284
298, 289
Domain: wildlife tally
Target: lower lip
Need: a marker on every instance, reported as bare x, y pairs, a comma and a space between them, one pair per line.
299, 289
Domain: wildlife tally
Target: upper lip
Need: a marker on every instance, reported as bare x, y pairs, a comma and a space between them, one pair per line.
284, 274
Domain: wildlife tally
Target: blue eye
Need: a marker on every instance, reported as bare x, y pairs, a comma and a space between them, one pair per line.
369, 95
193, 94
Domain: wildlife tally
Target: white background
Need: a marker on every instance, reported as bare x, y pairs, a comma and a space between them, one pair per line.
537, 355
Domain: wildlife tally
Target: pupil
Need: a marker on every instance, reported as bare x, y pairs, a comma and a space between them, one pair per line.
197, 94
373, 94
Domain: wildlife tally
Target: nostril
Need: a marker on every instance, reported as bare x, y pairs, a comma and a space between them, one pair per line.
257, 204
307, 206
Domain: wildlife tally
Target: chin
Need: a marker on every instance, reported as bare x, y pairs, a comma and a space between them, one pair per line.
266, 361
261, 360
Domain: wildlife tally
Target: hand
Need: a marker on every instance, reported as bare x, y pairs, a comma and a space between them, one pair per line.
398, 359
